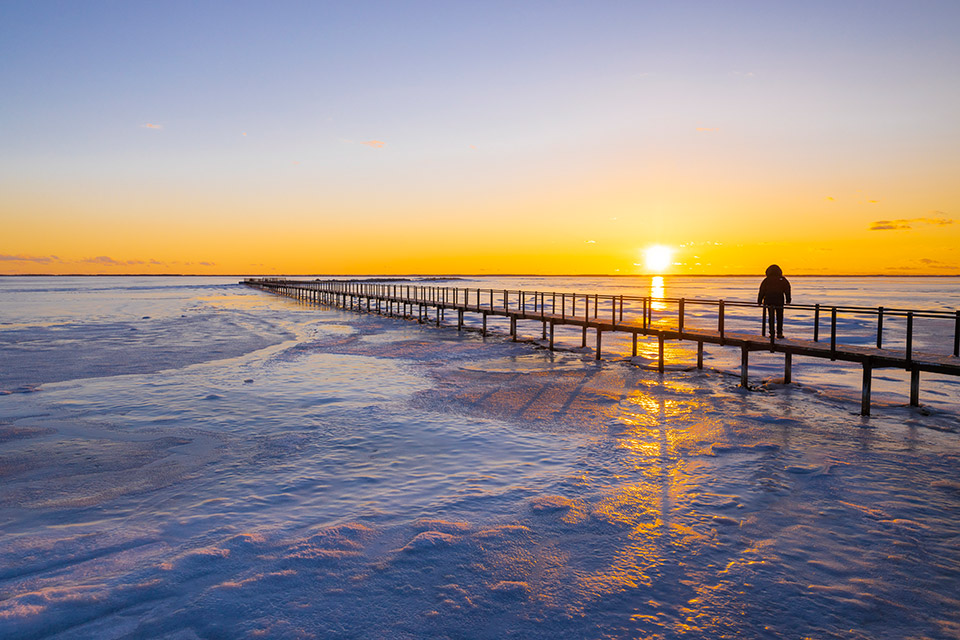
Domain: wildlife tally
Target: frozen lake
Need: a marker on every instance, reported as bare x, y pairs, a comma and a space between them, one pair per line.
189, 458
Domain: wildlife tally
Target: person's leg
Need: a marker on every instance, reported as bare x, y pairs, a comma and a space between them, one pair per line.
779, 322
771, 310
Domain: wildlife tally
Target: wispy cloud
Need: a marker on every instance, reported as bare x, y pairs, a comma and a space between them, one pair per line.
707, 129
903, 224
930, 262
148, 125
102, 260
24, 258
107, 260
376, 144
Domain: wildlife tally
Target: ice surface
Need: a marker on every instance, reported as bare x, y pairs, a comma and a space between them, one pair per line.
330, 474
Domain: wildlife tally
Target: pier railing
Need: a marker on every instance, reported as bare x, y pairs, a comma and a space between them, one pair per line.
652, 312
719, 322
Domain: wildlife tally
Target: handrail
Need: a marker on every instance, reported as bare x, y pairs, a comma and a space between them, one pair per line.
613, 306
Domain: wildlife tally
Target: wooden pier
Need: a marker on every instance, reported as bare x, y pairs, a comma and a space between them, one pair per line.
663, 318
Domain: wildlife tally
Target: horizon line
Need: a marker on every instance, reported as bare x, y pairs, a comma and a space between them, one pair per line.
474, 275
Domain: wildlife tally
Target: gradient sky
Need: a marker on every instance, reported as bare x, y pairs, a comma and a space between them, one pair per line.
479, 137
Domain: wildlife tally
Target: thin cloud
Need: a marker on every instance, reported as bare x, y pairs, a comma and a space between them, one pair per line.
376, 144
148, 125
930, 262
209, 264
708, 129
903, 224
101, 260
24, 258
107, 260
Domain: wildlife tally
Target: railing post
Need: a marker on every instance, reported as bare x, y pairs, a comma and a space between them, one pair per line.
833, 333
956, 337
879, 327
720, 321
680, 318
763, 322
909, 336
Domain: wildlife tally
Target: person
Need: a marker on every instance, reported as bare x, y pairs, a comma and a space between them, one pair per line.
774, 292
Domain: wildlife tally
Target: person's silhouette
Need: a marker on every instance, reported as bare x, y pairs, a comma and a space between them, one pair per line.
774, 292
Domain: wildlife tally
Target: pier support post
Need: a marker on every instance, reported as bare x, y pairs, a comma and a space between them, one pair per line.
544, 329
634, 345
460, 320
551, 336
483, 332
744, 364
787, 368
660, 352
583, 342
914, 387
513, 328
865, 388
700, 354
599, 333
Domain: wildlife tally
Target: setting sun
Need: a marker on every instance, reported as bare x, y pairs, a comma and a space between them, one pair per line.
657, 259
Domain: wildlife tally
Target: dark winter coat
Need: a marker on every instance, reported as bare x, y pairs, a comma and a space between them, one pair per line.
774, 291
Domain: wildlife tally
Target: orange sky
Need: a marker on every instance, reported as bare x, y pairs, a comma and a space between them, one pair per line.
498, 140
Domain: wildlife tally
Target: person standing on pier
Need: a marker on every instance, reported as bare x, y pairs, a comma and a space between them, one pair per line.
774, 293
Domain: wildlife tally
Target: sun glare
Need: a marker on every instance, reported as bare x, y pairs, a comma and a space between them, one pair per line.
657, 259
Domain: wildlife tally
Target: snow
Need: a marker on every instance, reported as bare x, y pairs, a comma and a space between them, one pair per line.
329, 474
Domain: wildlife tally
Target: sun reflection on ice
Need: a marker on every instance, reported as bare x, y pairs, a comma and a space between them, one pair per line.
657, 293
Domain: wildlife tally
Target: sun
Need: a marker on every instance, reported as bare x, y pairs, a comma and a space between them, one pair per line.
658, 258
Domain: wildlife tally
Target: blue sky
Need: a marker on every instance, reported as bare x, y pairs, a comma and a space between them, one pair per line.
218, 106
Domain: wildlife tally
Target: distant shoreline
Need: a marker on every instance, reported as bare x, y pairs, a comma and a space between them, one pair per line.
472, 275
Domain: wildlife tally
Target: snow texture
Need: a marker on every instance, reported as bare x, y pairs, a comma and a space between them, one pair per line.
264, 468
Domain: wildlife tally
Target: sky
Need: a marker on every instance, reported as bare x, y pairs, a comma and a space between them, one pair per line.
479, 137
